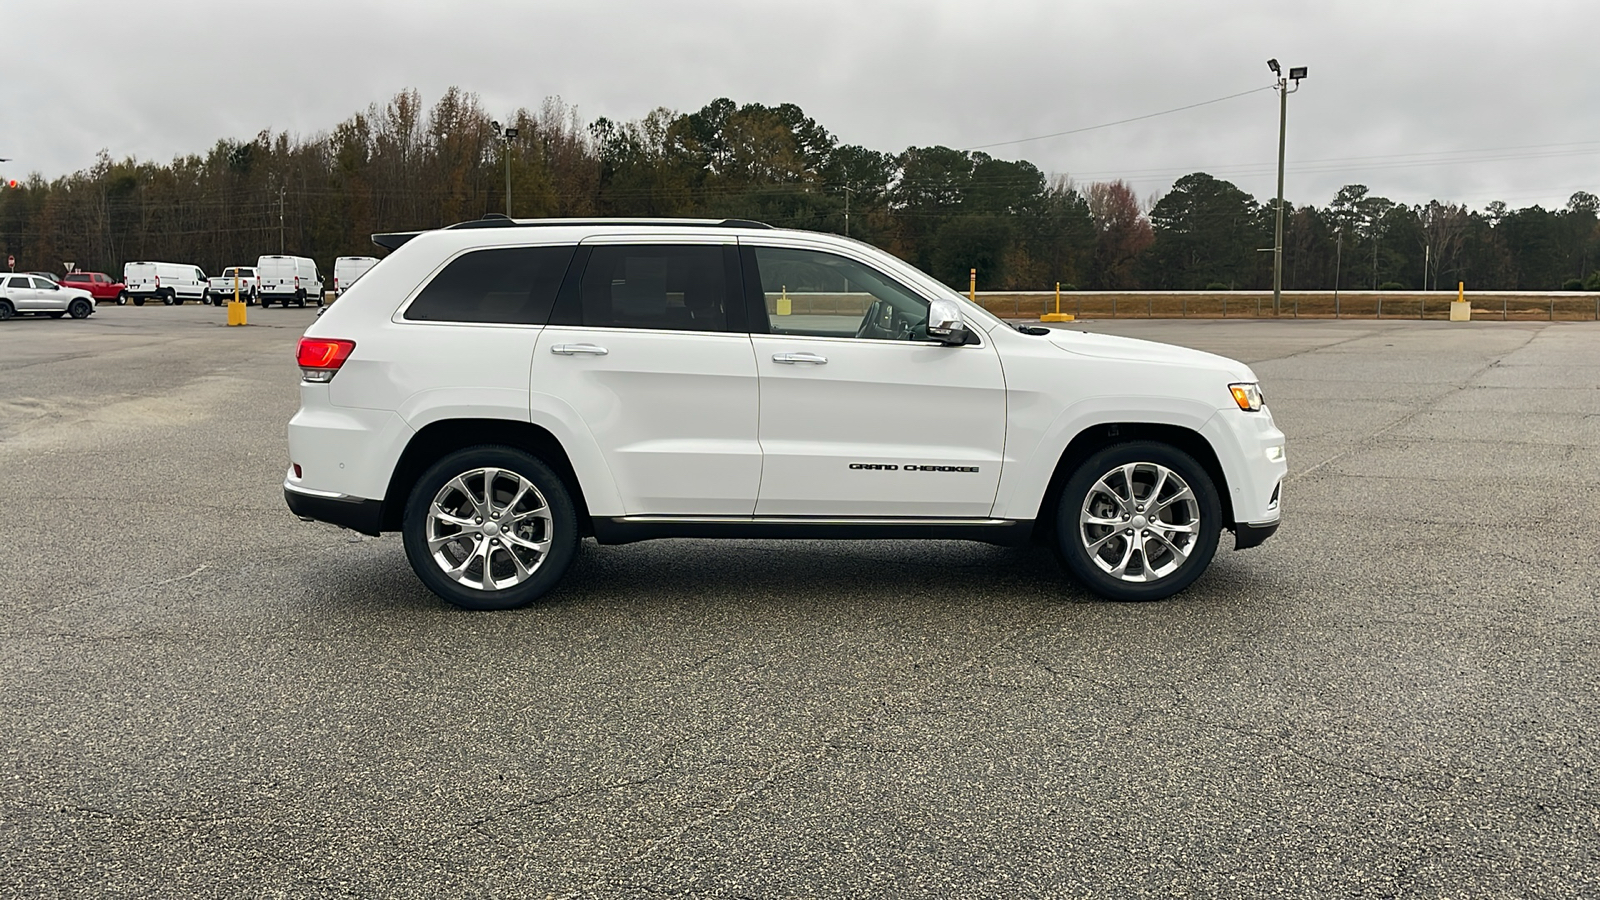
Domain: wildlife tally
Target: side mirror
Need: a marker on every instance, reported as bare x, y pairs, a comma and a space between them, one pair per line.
945, 323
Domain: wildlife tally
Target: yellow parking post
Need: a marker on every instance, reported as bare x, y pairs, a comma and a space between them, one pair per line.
785, 305
972, 288
1058, 315
236, 305
1460, 309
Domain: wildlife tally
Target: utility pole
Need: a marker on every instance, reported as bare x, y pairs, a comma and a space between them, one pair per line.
847, 192
280, 219
1338, 259
1296, 73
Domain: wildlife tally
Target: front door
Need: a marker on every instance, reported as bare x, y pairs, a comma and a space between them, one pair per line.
861, 415
649, 348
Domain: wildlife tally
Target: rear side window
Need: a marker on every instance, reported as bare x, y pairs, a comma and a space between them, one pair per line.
77, 278
506, 285
682, 288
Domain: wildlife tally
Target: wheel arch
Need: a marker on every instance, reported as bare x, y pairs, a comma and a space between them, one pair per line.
444, 436
1096, 437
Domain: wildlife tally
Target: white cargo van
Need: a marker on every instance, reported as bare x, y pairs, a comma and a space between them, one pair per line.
346, 269
288, 279
168, 282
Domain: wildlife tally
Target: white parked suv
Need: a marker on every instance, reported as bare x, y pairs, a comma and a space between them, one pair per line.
498, 390
30, 294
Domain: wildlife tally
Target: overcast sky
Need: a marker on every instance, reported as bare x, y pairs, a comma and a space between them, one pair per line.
1459, 100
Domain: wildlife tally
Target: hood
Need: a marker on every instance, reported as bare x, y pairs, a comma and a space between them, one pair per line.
1105, 346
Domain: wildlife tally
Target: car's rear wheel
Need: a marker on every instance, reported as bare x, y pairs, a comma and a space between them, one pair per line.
167, 297
1138, 521
6, 310
80, 308
300, 299
265, 303
490, 527
138, 301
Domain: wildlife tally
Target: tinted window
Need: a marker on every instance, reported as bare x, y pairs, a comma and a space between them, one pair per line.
44, 284
17, 281
76, 278
809, 292
679, 288
508, 285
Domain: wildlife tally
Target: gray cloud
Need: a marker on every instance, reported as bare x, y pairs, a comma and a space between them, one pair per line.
1390, 83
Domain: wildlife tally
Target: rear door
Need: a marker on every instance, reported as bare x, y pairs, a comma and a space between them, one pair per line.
648, 346
19, 290
862, 415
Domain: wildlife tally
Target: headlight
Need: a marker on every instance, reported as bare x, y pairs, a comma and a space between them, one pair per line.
1248, 396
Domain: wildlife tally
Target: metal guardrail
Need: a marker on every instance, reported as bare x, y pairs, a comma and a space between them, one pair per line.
1431, 305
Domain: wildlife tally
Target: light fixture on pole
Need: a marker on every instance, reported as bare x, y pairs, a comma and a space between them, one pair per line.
506, 135
1284, 90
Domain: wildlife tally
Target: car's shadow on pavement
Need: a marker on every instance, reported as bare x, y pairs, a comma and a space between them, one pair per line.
740, 574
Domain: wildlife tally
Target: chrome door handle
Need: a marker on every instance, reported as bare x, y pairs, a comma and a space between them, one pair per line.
575, 349
790, 359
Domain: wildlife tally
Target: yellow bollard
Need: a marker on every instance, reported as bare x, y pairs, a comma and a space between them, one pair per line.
972, 287
236, 305
785, 305
1460, 309
1058, 315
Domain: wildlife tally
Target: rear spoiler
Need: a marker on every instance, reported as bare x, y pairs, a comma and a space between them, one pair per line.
394, 240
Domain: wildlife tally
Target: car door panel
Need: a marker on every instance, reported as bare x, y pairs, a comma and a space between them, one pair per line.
882, 428
886, 426
675, 410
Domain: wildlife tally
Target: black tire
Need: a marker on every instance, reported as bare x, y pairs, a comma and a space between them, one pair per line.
138, 301
300, 299
175, 298
562, 525
57, 315
6, 310
265, 303
167, 297
122, 298
206, 300
1083, 495
80, 309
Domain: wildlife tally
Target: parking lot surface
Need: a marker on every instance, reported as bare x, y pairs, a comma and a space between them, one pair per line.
1398, 695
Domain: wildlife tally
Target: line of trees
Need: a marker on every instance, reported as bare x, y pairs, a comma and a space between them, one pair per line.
402, 166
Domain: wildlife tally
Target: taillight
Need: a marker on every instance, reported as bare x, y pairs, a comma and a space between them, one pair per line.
320, 358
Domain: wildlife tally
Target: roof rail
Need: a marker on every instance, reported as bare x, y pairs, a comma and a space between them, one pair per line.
393, 240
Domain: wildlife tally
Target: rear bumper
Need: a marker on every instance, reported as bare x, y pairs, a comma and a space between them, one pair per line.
354, 513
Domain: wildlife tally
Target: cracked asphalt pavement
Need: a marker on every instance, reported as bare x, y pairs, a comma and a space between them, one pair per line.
1398, 695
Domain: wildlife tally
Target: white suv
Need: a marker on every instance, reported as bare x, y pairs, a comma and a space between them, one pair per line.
497, 390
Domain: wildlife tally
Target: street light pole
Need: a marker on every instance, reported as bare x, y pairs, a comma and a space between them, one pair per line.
1296, 73
506, 135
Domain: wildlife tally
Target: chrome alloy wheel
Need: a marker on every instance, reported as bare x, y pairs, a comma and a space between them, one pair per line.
1139, 522
489, 529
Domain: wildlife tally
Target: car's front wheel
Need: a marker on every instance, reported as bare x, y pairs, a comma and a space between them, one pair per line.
80, 308
1138, 521
490, 527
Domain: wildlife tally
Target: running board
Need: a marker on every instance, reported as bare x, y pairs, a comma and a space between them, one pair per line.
629, 529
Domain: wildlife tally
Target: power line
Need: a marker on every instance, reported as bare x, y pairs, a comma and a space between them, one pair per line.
1165, 112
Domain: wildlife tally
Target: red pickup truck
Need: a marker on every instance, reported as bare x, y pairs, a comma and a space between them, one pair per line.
98, 284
